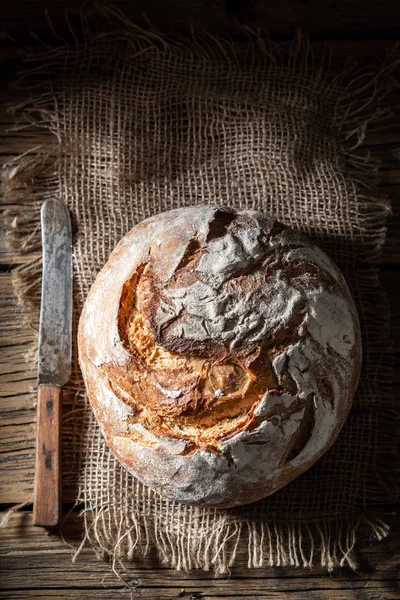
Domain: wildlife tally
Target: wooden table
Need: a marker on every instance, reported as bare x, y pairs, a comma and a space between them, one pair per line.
37, 564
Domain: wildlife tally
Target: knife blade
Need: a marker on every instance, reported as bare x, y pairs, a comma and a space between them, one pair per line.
54, 357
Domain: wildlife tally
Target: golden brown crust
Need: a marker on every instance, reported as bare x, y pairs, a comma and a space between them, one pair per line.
225, 347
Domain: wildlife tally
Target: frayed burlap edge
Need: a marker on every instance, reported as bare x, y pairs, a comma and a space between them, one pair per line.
31, 178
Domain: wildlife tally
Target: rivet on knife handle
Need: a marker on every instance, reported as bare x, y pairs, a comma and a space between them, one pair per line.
54, 360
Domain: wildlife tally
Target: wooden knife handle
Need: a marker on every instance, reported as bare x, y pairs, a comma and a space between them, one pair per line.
47, 489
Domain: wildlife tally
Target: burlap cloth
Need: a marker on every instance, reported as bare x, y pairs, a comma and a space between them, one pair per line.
143, 124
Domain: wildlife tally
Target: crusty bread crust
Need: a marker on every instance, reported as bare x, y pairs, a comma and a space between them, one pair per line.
221, 353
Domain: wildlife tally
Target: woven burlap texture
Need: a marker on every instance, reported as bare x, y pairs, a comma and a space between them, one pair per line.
145, 124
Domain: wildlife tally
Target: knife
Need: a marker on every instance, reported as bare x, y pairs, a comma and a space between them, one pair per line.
54, 360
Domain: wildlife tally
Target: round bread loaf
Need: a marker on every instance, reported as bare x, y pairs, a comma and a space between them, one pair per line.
221, 353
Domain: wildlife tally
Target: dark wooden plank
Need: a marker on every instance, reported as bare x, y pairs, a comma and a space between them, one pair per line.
55, 570
40, 563
372, 19
21, 538
184, 594
321, 19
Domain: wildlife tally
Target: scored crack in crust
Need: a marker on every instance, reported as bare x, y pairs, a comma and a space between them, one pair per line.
202, 397
229, 333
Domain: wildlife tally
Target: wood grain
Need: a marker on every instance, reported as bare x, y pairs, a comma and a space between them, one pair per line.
47, 488
37, 563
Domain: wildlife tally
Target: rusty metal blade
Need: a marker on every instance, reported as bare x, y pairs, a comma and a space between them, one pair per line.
55, 332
